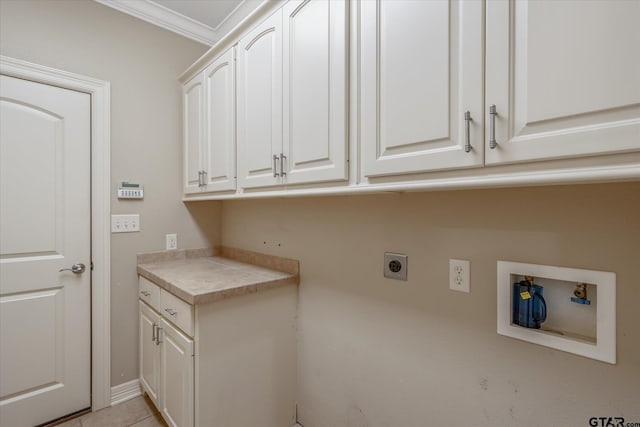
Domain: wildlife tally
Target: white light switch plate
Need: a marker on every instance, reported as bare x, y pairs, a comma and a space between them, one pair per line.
125, 223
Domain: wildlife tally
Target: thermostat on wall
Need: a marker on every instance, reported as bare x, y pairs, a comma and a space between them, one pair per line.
128, 190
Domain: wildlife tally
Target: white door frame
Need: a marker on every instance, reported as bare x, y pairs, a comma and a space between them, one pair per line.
100, 92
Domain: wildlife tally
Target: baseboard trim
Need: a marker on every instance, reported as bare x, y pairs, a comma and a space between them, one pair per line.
123, 392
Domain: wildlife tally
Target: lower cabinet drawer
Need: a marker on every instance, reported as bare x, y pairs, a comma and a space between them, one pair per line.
149, 292
177, 312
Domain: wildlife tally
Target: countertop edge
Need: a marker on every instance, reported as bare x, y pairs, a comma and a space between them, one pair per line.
245, 290
287, 266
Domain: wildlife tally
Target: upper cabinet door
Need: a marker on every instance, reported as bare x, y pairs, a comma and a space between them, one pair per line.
220, 124
564, 77
260, 103
192, 99
421, 70
315, 91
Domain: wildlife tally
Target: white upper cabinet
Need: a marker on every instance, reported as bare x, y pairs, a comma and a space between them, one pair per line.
219, 156
440, 94
209, 128
421, 70
315, 91
192, 133
564, 77
292, 96
260, 104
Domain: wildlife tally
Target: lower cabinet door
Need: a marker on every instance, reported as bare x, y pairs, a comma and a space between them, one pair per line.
177, 381
149, 352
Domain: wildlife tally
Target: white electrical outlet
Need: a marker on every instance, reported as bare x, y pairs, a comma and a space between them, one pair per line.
459, 275
172, 241
125, 223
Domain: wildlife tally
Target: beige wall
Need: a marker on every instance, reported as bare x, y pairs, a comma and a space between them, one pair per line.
377, 352
142, 63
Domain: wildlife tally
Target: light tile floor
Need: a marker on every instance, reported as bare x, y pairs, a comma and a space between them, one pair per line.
137, 412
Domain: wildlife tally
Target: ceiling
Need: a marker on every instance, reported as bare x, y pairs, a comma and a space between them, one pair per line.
209, 12
205, 21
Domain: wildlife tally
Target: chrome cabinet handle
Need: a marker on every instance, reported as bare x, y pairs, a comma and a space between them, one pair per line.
77, 268
204, 178
170, 311
492, 127
282, 171
275, 166
467, 121
158, 329
154, 335
199, 178
146, 293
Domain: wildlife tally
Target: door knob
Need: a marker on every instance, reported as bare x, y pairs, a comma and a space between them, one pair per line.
77, 268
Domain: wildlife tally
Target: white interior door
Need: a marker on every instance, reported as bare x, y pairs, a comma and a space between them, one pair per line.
45, 314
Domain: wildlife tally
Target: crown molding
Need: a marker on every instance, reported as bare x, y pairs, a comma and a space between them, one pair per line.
230, 16
166, 18
250, 15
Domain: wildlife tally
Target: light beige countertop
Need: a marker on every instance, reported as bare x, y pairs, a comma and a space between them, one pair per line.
204, 275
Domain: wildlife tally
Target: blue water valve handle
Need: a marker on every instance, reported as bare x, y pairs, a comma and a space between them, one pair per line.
581, 301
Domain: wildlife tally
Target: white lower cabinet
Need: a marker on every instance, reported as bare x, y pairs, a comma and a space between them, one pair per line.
149, 352
221, 364
176, 383
166, 362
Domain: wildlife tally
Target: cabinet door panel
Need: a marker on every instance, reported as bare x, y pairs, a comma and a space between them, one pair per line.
192, 133
149, 352
565, 78
260, 102
220, 137
315, 90
421, 69
177, 377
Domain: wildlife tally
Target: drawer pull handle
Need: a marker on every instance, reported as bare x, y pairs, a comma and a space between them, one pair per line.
492, 127
467, 121
145, 293
275, 166
170, 311
282, 171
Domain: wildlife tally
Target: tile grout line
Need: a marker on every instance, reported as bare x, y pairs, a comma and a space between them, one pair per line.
152, 414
